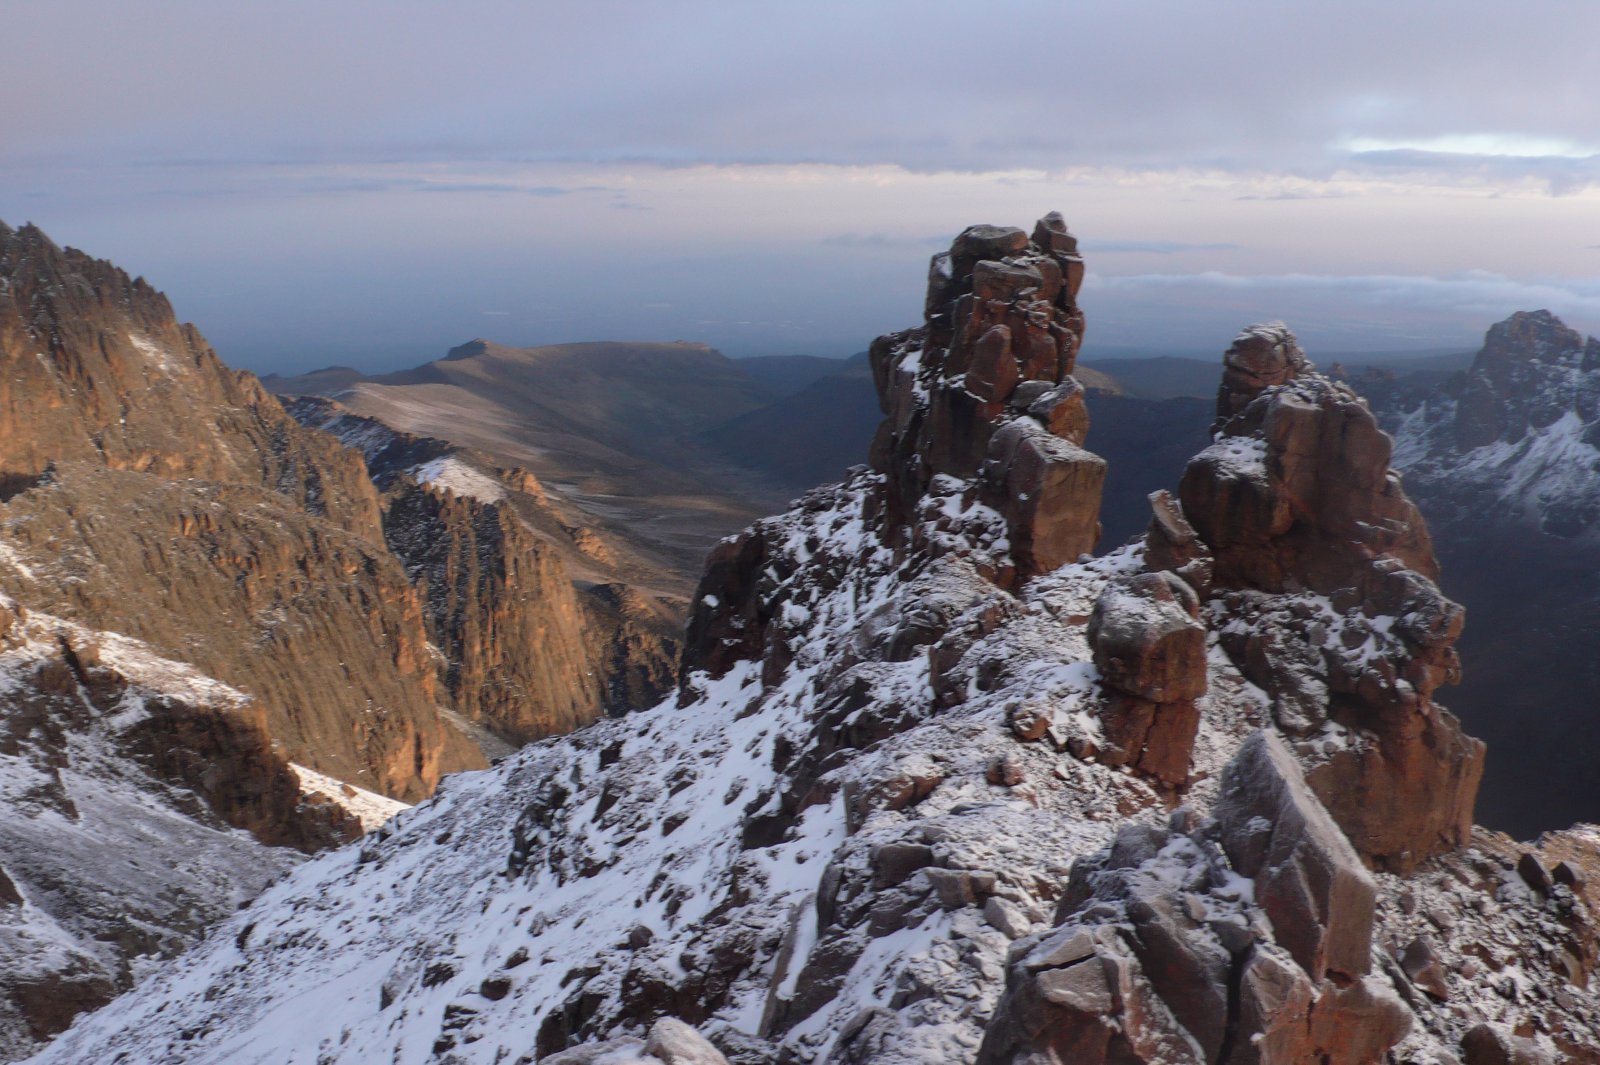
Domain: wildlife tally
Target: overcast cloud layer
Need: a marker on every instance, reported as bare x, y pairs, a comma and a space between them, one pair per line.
371, 182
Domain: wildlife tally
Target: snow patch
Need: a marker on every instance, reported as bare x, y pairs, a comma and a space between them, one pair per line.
452, 473
368, 807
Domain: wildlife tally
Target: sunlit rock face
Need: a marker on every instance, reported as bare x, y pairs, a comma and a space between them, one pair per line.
152, 491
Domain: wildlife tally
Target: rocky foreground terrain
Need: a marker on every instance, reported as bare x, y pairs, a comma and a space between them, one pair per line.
939, 784
223, 630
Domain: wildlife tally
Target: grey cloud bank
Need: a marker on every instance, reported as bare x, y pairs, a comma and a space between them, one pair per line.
359, 181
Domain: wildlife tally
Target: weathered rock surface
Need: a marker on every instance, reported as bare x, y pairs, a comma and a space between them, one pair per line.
985, 386
1150, 648
1321, 583
1308, 879
95, 368
876, 825
322, 627
1165, 954
529, 651
501, 608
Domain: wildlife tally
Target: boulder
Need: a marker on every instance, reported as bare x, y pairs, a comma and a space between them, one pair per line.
1048, 490
675, 1043
1491, 1044
1160, 957
1150, 649
1309, 880
1147, 639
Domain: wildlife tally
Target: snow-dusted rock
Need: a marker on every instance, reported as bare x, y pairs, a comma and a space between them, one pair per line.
836, 832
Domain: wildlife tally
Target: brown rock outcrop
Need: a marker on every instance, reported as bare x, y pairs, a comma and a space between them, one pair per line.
1324, 571
153, 491
1150, 649
1159, 956
94, 367
321, 626
984, 389
1298, 491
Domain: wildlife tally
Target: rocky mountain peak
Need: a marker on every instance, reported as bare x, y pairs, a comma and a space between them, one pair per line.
1260, 356
474, 348
220, 531
1537, 336
1531, 369
985, 389
934, 789
1310, 552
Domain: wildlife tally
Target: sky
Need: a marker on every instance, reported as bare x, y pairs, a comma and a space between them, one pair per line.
370, 183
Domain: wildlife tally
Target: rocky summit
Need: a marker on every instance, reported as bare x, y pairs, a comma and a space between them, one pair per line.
939, 784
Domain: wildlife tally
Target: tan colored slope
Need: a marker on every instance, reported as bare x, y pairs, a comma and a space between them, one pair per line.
610, 430
146, 488
321, 626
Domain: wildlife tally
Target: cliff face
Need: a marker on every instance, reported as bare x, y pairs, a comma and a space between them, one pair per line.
502, 611
928, 793
528, 652
152, 491
1512, 441
97, 369
320, 626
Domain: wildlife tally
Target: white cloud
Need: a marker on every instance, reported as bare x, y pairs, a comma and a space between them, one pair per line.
1491, 145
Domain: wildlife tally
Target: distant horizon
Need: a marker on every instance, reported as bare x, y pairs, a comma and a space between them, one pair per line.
771, 179
1109, 353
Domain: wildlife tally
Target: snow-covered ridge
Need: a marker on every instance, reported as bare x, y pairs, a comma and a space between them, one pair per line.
671, 853
1518, 437
452, 473
115, 868
368, 807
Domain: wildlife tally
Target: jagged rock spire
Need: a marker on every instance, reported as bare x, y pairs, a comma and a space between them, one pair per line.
1320, 573
984, 389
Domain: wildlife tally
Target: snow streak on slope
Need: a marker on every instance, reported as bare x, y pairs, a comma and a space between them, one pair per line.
450, 472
